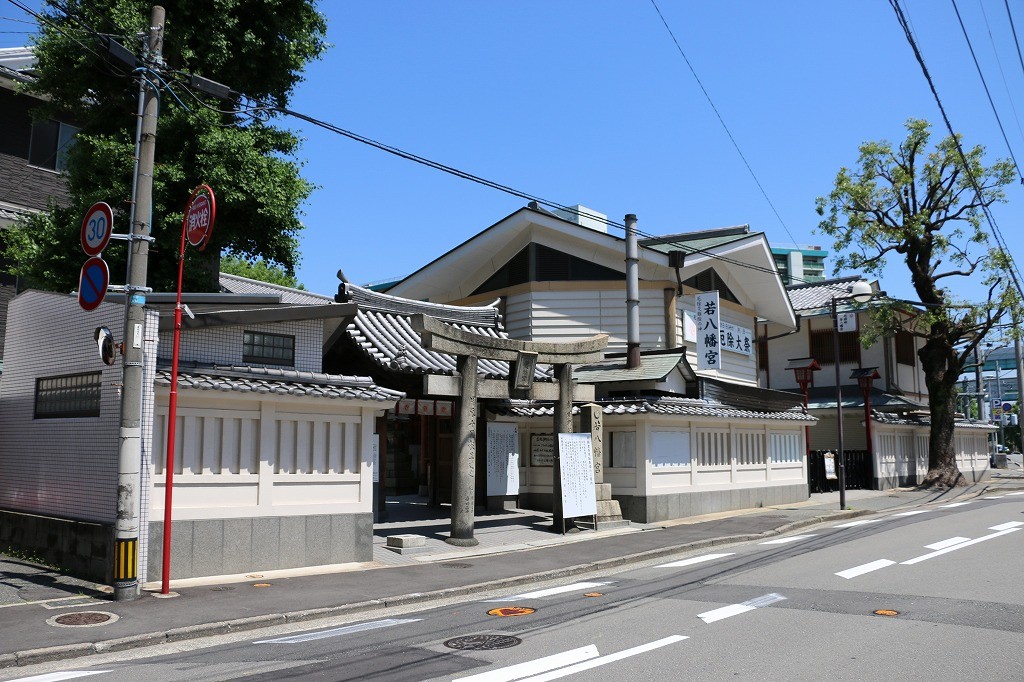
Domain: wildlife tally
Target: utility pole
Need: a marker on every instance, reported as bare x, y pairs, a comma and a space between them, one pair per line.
127, 524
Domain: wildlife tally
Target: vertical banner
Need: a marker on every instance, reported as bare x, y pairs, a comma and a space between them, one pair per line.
709, 349
502, 459
576, 460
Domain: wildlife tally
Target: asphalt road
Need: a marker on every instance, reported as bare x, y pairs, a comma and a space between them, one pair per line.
932, 594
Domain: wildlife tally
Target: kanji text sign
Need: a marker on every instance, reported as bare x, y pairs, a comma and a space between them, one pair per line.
709, 346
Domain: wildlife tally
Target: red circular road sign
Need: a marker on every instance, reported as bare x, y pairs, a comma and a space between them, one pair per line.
96, 228
199, 216
92, 283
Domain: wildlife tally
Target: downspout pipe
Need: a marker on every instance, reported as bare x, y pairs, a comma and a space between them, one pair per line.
632, 294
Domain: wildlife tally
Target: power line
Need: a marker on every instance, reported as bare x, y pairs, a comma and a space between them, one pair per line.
721, 120
1012, 269
999, 62
1016, 42
985, 84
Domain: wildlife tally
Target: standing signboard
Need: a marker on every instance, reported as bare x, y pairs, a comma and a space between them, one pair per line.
576, 460
502, 459
709, 350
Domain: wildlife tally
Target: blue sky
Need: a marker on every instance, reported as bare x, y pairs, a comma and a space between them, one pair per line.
590, 102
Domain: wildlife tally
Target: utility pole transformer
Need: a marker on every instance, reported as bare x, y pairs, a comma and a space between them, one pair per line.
127, 523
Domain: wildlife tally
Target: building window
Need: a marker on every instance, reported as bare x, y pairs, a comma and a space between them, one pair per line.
72, 395
822, 347
622, 449
905, 350
50, 143
268, 349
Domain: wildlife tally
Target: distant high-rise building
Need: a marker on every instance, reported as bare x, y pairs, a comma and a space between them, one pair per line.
800, 264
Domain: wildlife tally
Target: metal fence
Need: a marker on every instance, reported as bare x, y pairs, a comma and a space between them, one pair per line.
859, 475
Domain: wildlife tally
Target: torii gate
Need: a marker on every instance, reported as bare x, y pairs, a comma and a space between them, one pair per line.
523, 357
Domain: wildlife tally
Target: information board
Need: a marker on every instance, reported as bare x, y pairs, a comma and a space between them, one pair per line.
576, 463
542, 450
502, 459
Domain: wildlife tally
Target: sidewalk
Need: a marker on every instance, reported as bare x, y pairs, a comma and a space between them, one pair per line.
32, 598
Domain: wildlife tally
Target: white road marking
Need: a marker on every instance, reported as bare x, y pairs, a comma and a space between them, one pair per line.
337, 632
57, 677
936, 553
864, 568
736, 609
791, 538
913, 513
851, 524
993, 497
695, 560
952, 504
540, 594
1020, 492
1009, 524
610, 658
541, 665
948, 543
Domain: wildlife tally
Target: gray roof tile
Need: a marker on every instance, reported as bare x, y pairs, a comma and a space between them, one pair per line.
666, 405
818, 295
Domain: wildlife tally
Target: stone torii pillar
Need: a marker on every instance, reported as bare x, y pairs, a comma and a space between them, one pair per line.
523, 357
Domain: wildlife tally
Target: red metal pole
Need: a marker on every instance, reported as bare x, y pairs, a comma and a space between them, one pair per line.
172, 419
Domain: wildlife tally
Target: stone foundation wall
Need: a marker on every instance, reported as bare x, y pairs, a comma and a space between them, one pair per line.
681, 505
80, 548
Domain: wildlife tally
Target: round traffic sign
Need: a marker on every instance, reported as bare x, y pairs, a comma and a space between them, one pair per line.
92, 283
199, 216
96, 228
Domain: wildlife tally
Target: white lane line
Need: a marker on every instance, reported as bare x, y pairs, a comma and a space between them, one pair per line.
541, 665
540, 594
57, 677
1020, 492
993, 497
695, 560
851, 524
1009, 524
951, 505
337, 632
864, 568
791, 538
913, 513
948, 543
736, 609
940, 552
603, 660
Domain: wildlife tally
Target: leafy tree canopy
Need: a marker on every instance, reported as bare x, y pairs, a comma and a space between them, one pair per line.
258, 269
926, 207
257, 48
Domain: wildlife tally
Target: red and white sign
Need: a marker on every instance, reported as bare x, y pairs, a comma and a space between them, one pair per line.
407, 406
97, 226
425, 407
199, 216
443, 408
92, 283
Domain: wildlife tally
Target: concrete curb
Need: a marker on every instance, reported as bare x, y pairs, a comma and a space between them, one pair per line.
63, 652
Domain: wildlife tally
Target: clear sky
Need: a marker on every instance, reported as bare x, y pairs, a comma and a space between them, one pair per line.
590, 102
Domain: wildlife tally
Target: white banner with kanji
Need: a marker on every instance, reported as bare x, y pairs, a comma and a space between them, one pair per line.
709, 325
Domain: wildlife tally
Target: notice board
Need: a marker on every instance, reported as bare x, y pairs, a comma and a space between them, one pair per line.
576, 460
502, 459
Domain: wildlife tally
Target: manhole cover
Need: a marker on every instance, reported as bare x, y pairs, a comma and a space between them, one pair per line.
82, 619
454, 564
483, 642
221, 589
511, 611
886, 612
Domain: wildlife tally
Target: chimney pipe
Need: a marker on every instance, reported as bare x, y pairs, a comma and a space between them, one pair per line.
632, 294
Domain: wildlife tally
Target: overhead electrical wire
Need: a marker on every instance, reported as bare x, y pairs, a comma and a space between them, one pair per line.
988, 94
1016, 41
721, 120
1012, 269
999, 62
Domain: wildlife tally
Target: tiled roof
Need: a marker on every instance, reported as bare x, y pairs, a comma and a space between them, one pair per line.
278, 382
233, 284
703, 239
383, 330
824, 398
652, 368
667, 405
925, 420
817, 296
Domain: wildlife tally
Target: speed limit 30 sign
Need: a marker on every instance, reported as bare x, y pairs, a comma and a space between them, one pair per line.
97, 227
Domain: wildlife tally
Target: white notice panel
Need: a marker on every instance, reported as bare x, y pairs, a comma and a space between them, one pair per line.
709, 351
576, 460
502, 459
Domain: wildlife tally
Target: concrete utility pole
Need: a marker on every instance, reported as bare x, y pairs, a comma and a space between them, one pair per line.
127, 524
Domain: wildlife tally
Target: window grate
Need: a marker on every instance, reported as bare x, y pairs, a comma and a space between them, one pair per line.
72, 395
268, 349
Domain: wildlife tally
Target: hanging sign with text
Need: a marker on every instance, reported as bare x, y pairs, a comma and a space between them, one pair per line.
709, 325
502, 459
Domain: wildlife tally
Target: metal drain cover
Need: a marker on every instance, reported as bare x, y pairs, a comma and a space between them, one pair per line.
82, 619
454, 564
483, 642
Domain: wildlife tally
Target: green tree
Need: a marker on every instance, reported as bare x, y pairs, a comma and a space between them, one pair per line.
917, 204
259, 270
258, 48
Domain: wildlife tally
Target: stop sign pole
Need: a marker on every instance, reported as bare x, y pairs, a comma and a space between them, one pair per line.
196, 227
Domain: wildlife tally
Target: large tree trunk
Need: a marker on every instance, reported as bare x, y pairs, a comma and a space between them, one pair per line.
940, 377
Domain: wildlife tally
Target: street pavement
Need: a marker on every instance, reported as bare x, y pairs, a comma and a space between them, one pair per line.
45, 616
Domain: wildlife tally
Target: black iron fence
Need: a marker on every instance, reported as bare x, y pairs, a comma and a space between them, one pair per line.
859, 475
